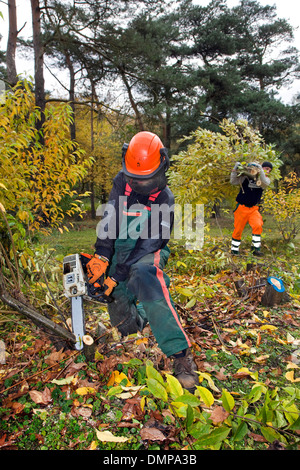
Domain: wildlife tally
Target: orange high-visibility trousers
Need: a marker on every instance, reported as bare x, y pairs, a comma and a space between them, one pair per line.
244, 214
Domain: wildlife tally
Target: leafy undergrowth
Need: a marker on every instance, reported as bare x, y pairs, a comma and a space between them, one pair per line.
248, 365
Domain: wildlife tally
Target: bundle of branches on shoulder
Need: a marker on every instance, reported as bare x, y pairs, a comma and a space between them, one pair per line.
251, 170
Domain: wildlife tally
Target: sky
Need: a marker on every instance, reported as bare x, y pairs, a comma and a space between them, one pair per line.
288, 9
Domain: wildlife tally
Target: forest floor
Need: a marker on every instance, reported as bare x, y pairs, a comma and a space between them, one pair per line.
56, 400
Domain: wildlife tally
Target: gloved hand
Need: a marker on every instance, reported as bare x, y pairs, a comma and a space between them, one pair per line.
96, 268
109, 284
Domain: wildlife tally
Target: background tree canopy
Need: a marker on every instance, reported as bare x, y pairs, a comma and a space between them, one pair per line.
173, 68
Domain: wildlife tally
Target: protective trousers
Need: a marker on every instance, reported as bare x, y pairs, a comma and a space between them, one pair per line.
242, 216
144, 296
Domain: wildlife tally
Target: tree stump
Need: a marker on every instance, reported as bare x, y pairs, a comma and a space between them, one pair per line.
274, 292
241, 287
101, 333
88, 348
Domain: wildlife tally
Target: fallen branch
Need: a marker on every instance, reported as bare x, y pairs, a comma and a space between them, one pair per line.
31, 313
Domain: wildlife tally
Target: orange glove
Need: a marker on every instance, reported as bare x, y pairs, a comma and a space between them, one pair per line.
109, 285
96, 268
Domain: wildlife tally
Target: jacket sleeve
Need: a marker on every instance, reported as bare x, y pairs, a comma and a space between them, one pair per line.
158, 233
108, 227
265, 181
234, 179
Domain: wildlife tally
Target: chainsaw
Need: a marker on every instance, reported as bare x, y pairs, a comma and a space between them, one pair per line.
77, 288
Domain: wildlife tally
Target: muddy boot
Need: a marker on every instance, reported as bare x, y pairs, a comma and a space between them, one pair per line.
256, 252
184, 370
124, 315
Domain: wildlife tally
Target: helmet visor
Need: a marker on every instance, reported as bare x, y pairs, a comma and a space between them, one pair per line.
147, 186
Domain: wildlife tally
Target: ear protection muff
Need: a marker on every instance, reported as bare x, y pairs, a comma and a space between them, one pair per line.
124, 150
165, 157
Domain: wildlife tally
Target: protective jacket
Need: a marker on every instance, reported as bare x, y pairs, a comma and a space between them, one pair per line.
127, 229
250, 194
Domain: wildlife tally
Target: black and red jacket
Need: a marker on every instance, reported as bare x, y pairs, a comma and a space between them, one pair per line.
147, 244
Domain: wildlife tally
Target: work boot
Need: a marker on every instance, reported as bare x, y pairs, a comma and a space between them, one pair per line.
235, 253
184, 370
124, 316
256, 252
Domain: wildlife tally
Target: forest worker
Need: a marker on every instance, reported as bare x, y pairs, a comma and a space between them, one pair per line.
248, 200
133, 253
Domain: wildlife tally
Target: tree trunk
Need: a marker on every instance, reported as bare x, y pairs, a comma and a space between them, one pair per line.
38, 61
92, 199
12, 44
93, 208
138, 115
72, 95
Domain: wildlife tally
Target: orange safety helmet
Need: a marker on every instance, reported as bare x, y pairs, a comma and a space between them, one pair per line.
144, 156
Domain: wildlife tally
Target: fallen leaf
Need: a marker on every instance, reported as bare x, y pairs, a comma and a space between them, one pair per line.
117, 377
218, 415
93, 445
17, 407
82, 411
220, 374
66, 381
268, 327
257, 437
107, 436
41, 397
141, 340
261, 359
152, 434
291, 340
204, 375
290, 377
266, 314
55, 357
85, 390
291, 365
244, 372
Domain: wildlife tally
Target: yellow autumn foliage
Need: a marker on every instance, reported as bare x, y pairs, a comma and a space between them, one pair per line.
36, 176
98, 136
201, 173
284, 206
